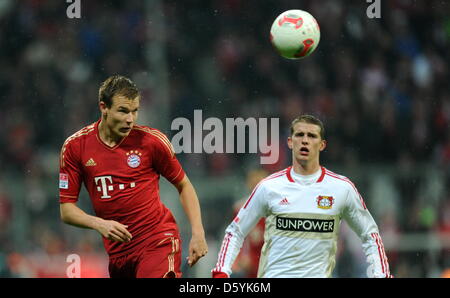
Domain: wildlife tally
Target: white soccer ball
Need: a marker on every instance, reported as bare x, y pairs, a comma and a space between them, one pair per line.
295, 34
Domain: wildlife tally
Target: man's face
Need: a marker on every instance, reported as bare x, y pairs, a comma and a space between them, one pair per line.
306, 142
122, 115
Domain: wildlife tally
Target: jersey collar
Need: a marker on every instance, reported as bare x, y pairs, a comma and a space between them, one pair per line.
97, 134
289, 176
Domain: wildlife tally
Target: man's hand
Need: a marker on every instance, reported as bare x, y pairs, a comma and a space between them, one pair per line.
114, 231
110, 229
375, 269
197, 249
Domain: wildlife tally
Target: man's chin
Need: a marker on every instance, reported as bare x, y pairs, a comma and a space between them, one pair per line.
303, 157
122, 135
124, 132
303, 162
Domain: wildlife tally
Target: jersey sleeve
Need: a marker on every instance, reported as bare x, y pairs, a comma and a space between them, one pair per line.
164, 159
69, 174
247, 217
362, 223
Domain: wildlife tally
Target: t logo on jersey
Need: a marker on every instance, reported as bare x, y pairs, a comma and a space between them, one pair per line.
103, 187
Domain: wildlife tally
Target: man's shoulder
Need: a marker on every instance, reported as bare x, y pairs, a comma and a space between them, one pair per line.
332, 177
153, 136
148, 132
80, 134
334, 174
72, 145
275, 178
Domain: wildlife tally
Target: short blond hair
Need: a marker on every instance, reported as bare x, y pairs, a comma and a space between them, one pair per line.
117, 85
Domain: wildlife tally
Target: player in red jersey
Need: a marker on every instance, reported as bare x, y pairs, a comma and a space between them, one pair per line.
120, 164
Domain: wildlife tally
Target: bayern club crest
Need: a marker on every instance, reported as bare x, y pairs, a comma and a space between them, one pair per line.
325, 202
134, 158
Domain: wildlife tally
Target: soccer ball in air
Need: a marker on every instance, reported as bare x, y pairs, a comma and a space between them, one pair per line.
295, 34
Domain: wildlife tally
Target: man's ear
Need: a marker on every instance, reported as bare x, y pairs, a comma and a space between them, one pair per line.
323, 145
103, 108
289, 142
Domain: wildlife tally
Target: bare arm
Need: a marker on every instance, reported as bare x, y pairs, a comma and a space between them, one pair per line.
189, 200
110, 229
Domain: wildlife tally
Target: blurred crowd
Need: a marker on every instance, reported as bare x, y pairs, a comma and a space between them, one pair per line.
379, 85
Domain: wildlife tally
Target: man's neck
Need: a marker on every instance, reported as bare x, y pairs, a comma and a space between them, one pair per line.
305, 168
106, 136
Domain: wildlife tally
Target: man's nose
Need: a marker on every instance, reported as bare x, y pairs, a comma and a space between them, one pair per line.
129, 118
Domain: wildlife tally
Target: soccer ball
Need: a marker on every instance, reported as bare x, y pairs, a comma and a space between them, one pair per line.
295, 34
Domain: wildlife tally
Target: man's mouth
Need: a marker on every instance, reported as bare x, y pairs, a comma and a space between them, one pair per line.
125, 129
304, 151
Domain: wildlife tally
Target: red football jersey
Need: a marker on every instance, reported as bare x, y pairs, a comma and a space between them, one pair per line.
122, 181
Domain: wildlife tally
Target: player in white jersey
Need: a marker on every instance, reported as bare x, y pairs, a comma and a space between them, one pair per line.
303, 206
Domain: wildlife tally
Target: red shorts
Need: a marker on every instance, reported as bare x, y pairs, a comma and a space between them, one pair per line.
159, 259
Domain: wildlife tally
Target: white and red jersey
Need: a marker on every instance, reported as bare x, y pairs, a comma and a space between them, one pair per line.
303, 214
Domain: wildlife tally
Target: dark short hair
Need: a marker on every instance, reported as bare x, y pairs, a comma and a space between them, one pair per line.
311, 120
117, 85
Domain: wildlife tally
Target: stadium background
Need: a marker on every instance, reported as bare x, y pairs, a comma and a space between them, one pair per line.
379, 85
